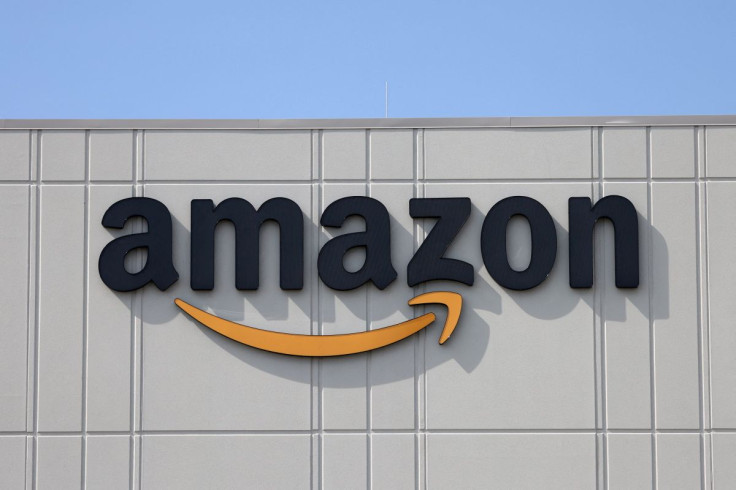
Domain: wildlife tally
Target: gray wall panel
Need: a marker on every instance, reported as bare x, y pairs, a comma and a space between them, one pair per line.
548, 388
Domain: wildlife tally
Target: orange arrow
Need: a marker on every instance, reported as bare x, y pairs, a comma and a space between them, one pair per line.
332, 345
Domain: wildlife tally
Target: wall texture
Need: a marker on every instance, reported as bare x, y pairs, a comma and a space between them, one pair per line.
549, 388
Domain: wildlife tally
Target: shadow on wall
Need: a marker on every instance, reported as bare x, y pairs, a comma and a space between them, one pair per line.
482, 309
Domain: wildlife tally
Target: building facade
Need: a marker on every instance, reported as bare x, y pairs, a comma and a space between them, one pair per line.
549, 387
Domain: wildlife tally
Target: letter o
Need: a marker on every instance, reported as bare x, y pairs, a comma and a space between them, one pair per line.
493, 242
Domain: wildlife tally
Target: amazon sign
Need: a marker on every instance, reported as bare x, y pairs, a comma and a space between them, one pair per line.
427, 264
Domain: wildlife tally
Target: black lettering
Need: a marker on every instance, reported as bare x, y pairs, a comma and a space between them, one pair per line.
493, 242
159, 267
247, 222
376, 239
583, 218
429, 262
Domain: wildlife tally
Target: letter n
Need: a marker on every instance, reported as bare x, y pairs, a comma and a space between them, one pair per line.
583, 218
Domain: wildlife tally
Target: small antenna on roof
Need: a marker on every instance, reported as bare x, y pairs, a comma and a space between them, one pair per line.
386, 113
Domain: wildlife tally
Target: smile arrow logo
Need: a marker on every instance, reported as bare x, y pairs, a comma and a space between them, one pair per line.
332, 345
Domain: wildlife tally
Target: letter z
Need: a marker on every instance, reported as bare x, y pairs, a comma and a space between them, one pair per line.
429, 262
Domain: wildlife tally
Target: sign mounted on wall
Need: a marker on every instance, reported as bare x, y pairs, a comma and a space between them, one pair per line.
427, 264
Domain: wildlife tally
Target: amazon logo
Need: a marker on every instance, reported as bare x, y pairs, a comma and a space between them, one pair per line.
427, 264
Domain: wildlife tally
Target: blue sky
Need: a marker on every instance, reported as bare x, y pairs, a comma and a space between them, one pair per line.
228, 59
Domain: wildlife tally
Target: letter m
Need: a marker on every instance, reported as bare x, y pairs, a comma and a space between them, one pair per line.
247, 222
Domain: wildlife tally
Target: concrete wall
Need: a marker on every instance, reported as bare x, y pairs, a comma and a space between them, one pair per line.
549, 388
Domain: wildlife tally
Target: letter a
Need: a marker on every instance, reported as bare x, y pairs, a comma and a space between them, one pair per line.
159, 267
376, 239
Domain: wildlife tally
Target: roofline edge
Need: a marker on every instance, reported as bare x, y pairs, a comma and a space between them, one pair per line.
370, 123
